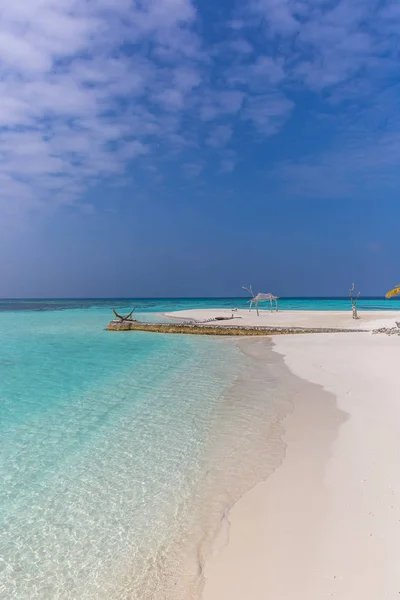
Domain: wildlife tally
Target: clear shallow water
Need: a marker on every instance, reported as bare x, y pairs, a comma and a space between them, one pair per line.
119, 453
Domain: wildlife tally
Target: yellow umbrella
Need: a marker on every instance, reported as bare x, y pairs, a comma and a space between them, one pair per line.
394, 292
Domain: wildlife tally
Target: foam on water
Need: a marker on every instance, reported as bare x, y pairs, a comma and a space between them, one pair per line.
120, 454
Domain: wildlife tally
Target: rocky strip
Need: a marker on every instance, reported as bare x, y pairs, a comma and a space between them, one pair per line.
199, 329
389, 330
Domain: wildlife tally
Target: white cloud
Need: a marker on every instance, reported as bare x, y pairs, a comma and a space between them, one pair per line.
325, 43
88, 86
265, 73
75, 104
220, 136
228, 162
219, 103
341, 56
277, 15
193, 169
267, 112
362, 166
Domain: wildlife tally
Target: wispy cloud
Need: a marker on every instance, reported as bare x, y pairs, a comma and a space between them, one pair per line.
217, 103
78, 98
267, 112
327, 43
362, 167
192, 169
344, 56
229, 161
220, 136
87, 87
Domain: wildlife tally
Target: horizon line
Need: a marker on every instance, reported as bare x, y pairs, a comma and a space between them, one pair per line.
76, 298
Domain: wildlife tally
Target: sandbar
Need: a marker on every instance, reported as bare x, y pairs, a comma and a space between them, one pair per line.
368, 320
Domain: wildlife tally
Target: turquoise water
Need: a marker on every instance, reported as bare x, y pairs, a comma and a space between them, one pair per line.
119, 453
108, 480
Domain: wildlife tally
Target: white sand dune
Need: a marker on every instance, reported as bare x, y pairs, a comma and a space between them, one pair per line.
326, 524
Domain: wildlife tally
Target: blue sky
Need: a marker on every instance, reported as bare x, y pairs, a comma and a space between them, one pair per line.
173, 147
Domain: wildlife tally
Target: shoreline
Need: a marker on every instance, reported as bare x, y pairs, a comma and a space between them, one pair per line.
244, 427
325, 522
259, 457
247, 431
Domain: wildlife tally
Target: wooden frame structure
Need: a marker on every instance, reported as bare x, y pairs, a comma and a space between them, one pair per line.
261, 298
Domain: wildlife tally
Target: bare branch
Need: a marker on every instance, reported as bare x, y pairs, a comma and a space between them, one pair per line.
122, 318
354, 301
250, 290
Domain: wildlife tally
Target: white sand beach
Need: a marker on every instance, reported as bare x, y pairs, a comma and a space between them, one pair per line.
292, 318
326, 523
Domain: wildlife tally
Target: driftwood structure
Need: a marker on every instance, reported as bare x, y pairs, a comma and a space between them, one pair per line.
354, 302
127, 318
233, 316
261, 298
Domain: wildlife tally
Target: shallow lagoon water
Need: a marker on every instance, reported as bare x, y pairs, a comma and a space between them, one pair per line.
118, 456
121, 452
